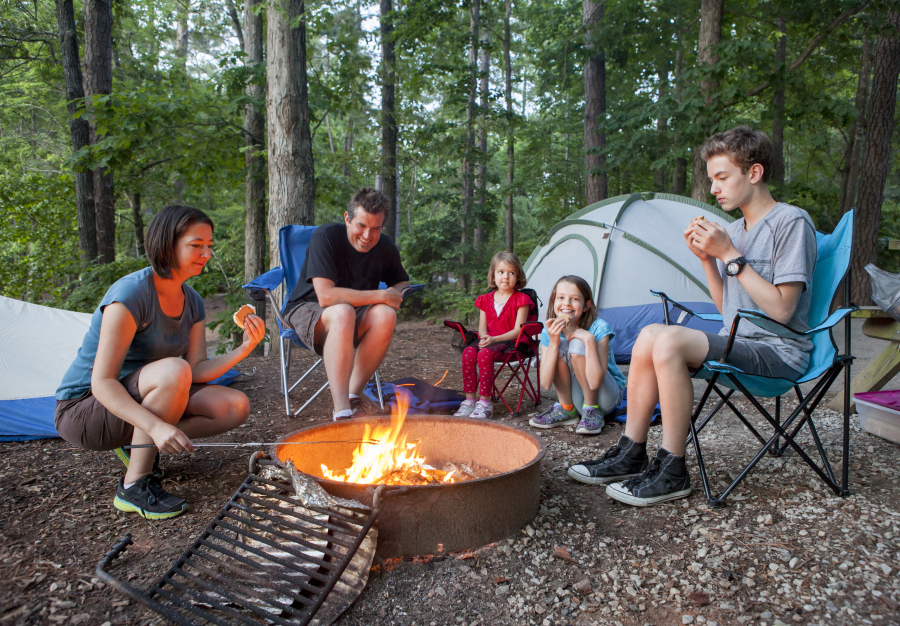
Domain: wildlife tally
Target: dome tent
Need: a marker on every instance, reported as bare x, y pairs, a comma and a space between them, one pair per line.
624, 247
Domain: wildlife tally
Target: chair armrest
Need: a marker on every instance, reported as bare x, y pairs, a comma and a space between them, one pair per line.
709, 317
269, 280
410, 290
783, 330
528, 333
457, 326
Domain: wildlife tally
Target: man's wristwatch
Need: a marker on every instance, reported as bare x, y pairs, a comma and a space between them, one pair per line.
734, 266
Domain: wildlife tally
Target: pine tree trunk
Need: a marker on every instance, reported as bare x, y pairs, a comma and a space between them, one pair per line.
481, 172
595, 178
876, 157
777, 174
710, 36
182, 32
236, 22
659, 176
98, 23
474, 19
850, 170
292, 180
388, 117
78, 127
255, 253
510, 138
137, 217
679, 172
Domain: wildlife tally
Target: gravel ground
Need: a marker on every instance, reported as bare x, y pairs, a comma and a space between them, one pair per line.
785, 550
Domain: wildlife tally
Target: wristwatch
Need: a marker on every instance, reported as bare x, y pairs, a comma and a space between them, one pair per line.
734, 266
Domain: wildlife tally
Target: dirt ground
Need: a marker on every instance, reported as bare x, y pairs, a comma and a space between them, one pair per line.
785, 551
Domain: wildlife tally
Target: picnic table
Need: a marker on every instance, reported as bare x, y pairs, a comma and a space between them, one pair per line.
878, 325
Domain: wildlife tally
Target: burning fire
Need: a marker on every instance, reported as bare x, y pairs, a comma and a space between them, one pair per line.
391, 460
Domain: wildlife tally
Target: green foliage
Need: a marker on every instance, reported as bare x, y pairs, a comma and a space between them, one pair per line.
87, 292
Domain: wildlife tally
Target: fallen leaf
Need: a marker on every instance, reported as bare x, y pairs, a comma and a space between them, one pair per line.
500, 579
699, 598
562, 553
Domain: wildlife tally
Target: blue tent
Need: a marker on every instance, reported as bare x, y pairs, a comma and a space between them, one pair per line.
624, 247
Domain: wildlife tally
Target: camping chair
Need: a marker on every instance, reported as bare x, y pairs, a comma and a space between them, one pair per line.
292, 243
518, 359
832, 265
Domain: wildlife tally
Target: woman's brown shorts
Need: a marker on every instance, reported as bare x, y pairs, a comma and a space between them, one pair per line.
86, 423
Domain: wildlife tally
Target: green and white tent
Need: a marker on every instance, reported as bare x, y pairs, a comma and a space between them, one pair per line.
624, 247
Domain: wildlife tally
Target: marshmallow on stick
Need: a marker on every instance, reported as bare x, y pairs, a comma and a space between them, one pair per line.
242, 313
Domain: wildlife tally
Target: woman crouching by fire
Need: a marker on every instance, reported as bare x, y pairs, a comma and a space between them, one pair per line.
139, 376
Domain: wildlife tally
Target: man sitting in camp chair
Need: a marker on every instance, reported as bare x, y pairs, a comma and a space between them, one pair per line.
764, 261
337, 306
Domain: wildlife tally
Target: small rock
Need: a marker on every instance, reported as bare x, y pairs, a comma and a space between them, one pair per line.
439, 591
886, 569
687, 619
793, 562
502, 590
583, 586
765, 615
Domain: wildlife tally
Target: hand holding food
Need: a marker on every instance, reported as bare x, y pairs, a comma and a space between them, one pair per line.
242, 313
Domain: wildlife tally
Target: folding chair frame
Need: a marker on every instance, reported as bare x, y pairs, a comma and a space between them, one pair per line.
806, 406
519, 363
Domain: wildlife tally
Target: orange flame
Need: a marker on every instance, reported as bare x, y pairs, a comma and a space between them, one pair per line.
392, 455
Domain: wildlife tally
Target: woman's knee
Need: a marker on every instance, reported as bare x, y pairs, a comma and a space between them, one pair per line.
172, 374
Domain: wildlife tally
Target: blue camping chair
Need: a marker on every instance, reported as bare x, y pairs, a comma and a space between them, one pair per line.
293, 241
832, 266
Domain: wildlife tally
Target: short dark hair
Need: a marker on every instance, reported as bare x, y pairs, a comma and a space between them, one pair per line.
745, 147
369, 200
164, 230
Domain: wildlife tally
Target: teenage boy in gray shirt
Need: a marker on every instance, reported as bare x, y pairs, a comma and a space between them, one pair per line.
763, 261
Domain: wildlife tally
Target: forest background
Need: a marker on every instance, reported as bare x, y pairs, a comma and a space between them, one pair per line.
484, 121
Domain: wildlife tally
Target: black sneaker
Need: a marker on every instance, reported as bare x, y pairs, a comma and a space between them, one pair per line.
148, 499
125, 456
625, 459
666, 479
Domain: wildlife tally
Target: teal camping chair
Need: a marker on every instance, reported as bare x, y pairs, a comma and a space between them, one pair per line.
826, 364
293, 241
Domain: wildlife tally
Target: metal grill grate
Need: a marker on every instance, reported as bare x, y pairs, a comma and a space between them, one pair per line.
267, 558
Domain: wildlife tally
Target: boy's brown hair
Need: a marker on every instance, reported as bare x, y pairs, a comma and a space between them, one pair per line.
590, 310
745, 147
510, 259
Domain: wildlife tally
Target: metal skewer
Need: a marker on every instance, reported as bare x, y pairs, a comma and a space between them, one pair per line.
256, 443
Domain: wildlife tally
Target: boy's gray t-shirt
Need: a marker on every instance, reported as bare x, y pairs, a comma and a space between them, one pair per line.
157, 336
781, 247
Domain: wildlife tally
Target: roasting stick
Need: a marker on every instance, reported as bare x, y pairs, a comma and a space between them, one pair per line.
256, 444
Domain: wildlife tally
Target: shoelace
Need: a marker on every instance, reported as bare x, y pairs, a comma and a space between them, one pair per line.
609, 453
654, 468
154, 491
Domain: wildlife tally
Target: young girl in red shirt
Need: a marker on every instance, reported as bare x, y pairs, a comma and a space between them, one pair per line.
503, 311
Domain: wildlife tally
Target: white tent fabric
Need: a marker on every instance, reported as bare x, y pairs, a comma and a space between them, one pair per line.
37, 345
624, 247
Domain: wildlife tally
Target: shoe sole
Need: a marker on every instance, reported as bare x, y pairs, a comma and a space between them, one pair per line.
635, 501
567, 422
587, 431
598, 480
127, 507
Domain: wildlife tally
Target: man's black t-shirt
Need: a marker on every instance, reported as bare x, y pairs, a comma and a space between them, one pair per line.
331, 256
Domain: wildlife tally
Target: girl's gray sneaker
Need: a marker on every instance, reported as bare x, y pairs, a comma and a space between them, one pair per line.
555, 416
591, 422
465, 409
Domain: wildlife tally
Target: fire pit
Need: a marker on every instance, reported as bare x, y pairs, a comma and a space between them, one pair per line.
436, 518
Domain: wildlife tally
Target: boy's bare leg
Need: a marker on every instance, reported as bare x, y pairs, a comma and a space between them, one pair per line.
674, 350
590, 395
562, 383
376, 328
643, 389
335, 330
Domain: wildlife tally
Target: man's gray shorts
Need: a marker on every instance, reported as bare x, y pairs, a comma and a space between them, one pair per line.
754, 357
304, 317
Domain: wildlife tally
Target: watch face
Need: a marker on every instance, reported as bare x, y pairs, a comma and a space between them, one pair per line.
732, 268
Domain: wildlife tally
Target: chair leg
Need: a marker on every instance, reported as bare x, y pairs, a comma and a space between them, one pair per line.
313, 397
845, 470
308, 372
775, 450
701, 465
378, 387
284, 387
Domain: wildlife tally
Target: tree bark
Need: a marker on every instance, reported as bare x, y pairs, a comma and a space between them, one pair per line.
777, 173
292, 180
348, 148
850, 169
510, 138
481, 171
78, 127
679, 171
595, 179
137, 217
98, 22
182, 32
388, 117
709, 37
659, 176
474, 19
877, 157
236, 22
254, 131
